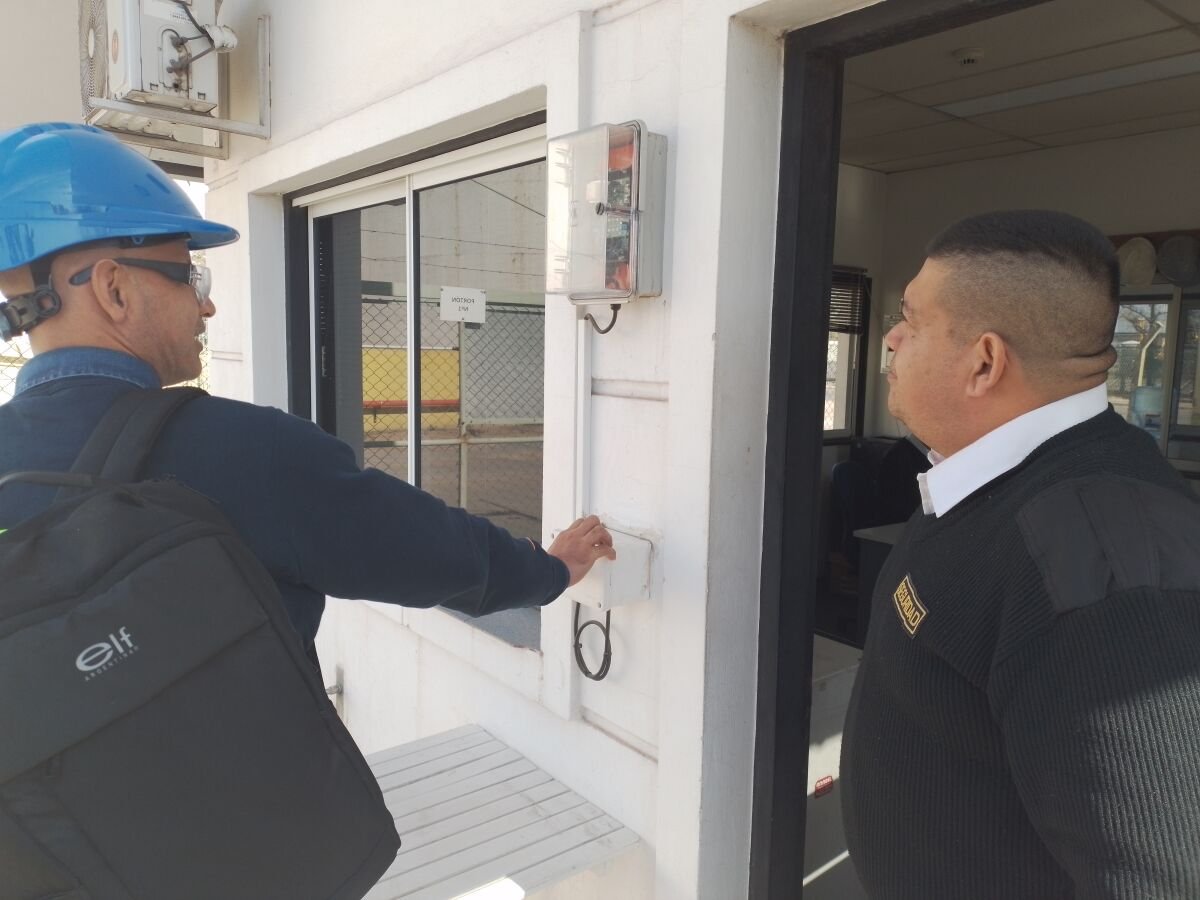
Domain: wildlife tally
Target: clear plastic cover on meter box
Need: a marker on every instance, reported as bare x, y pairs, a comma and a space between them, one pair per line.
601, 220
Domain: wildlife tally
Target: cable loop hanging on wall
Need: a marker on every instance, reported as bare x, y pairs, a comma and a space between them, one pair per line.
606, 629
616, 309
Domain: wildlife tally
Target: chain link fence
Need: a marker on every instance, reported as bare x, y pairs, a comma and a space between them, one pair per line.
501, 465
478, 401
481, 406
202, 381
13, 355
385, 384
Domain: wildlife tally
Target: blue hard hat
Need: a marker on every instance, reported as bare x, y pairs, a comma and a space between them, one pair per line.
64, 184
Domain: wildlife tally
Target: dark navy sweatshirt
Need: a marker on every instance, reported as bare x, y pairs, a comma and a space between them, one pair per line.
320, 524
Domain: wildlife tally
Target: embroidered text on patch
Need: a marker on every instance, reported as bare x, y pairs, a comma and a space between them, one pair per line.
908, 606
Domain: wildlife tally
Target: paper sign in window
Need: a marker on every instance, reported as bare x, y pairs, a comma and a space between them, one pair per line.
463, 305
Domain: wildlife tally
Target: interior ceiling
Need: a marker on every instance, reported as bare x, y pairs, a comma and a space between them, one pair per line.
1064, 72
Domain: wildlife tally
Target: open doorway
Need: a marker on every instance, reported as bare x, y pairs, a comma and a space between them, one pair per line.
898, 120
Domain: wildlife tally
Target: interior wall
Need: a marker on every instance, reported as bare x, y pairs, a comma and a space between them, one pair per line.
1144, 183
858, 241
861, 219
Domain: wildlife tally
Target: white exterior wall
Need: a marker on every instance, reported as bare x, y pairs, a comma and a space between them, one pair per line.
39, 67
674, 423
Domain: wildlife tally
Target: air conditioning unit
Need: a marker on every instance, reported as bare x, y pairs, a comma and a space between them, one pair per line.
150, 71
148, 51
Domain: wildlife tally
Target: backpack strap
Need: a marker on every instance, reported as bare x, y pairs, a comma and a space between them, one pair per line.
120, 444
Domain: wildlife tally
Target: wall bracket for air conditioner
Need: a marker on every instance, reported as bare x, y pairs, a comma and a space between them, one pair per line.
224, 126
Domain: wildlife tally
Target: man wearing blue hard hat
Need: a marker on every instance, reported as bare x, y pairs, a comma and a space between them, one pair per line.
95, 268
166, 736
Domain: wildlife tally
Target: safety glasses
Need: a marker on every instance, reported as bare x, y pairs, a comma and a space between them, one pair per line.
199, 277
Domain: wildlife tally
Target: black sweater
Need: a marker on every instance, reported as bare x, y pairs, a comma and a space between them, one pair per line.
1026, 719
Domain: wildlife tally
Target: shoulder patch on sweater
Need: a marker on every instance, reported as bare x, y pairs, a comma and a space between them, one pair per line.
908, 606
1094, 536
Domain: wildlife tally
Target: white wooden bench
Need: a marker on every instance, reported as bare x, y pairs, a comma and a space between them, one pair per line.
477, 819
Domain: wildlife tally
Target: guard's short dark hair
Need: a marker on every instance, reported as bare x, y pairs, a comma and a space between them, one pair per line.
1046, 281
1034, 234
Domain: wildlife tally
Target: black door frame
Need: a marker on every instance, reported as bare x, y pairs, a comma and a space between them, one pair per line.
809, 149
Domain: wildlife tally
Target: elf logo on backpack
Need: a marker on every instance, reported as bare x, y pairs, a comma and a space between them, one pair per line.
99, 658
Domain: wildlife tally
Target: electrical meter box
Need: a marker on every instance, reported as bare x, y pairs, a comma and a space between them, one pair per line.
621, 581
604, 222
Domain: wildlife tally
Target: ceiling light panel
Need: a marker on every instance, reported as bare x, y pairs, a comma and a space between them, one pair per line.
1121, 129
1134, 102
1187, 9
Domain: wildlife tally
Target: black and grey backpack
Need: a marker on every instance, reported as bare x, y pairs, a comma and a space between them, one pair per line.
163, 735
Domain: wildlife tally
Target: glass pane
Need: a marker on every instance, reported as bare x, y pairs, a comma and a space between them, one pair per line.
837, 381
482, 382
383, 258
1188, 376
1135, 382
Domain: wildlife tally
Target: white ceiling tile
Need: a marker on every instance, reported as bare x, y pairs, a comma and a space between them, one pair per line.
1188, 9
1038, 32
1153, 72
1054, 68
951, 135
1134, 102
880, 115
948, 157
852, 93
1120, 129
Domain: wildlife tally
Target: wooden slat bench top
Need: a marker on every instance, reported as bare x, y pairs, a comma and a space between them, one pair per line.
477, 819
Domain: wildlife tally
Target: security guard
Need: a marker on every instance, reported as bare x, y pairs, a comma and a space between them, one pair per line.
1026, 719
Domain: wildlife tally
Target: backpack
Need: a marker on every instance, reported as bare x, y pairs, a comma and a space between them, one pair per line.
164, 735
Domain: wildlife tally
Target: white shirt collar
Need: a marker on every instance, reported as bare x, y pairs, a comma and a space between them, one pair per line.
954, 478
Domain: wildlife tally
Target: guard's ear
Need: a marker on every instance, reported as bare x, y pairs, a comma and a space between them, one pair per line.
110, 284
989, 361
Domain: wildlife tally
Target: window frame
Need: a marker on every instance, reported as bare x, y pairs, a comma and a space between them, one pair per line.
1179, 301
853, 348
506, 151
519, 668
1165, 295
1186, 300
856, 389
